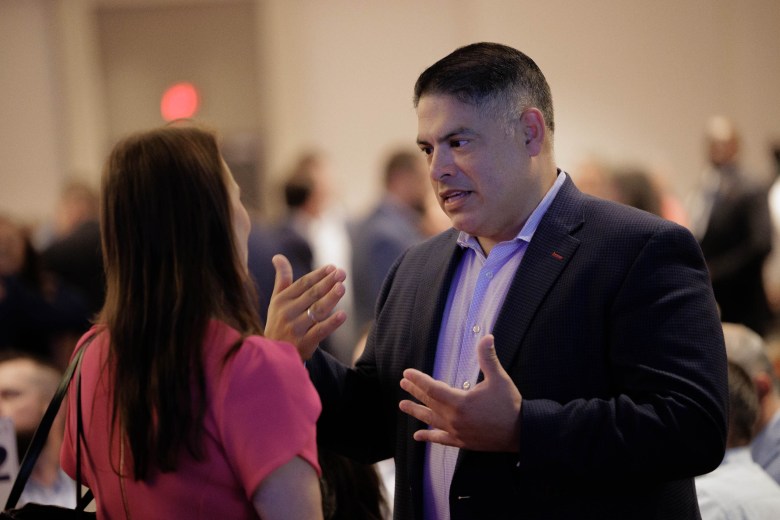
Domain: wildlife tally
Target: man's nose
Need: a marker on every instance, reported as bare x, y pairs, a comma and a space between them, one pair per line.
440, 164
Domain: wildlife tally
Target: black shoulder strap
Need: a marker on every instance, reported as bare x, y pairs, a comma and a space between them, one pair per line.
42, 432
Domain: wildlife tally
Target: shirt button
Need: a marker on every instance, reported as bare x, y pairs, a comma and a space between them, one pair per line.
489, 275
466, 385
475, 329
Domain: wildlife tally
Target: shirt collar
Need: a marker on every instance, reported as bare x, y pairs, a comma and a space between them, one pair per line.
739, 455
466, 240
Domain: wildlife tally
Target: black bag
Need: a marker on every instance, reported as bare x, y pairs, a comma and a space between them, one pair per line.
32, 511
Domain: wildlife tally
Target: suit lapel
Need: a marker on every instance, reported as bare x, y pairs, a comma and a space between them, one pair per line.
550, 250
430, 300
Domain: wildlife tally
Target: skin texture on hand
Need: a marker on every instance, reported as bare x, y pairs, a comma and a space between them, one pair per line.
301, 312
483, 418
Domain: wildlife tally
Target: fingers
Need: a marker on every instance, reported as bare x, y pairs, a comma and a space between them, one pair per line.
319, 291
426, 389
322, 329
436, 398
324, 296
284, 274
487, 357
419, 385
435, 433
418, 411
438, 436
311, 281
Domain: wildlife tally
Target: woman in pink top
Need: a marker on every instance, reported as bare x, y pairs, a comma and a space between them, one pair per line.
188, 412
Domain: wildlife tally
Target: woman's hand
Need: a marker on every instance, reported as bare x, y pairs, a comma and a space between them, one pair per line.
300, 312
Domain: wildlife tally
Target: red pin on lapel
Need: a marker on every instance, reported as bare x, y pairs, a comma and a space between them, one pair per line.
556, 255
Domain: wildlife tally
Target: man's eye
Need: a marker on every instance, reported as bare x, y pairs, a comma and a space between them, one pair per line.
457, 143
427, 150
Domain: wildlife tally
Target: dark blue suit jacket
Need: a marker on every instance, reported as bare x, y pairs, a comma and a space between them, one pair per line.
611, 334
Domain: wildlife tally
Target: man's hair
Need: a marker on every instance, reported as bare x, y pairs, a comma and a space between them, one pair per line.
746, 348
490, 76
300, 182
743, 406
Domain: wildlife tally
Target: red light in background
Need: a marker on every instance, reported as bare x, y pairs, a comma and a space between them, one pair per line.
179, 101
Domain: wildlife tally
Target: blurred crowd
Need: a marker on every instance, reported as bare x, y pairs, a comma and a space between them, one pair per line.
51, 280
734, 215
52, 285
51, 277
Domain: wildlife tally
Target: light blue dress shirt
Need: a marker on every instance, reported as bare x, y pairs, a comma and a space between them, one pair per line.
738, 490
476, 295
766, 448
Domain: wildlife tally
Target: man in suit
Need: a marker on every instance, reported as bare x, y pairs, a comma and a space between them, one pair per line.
734, 227
391, 228
554, 356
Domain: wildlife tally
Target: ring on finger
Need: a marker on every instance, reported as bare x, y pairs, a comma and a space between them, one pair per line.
310, 314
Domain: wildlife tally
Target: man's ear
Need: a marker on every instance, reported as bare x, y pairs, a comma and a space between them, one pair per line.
532, 130
763, 385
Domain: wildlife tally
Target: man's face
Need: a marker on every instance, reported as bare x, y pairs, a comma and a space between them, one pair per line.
20, 398
722, 152
479, 169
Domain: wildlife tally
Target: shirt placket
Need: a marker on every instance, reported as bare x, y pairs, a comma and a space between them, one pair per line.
475, 326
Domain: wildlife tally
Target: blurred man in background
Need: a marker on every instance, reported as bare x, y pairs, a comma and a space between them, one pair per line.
390, 229
730, 218
26, 387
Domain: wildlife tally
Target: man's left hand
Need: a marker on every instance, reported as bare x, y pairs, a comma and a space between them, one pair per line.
484, 418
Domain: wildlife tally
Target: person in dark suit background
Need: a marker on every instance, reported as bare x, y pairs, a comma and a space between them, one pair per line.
559, 356
265, 241
289, 236
734, 227
391, 228
73, 253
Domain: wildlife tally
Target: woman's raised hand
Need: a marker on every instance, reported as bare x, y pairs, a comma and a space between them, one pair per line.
301, 312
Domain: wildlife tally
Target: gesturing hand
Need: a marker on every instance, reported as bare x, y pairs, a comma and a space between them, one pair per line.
300, 312
485, 418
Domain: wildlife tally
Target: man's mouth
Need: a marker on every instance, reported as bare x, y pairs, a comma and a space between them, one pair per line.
453, 196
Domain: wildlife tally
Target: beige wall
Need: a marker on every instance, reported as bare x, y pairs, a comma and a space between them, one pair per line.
632, 80
30, 156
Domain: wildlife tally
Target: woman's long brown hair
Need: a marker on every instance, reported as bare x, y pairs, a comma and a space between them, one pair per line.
171, 265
